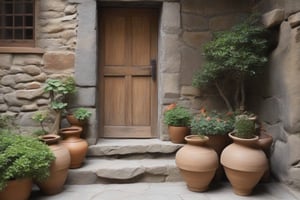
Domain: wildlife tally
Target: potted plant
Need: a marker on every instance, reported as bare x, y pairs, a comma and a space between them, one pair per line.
22, 159
178, 120
215, 125
197, 162
244, 158
79, 116
59, 89
233, 57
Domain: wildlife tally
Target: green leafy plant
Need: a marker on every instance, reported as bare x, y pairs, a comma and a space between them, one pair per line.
23, 156
40, 117
213, 123
244, 126
177, 116
232, 57
8, 122
59, 89
82, 114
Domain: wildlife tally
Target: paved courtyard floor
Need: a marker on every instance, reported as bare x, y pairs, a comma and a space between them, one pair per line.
167, 191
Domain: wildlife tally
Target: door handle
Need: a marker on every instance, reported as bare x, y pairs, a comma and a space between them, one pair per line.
153, 69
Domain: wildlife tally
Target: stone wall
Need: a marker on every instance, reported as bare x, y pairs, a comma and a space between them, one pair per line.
67, 34
23, 74
181, 46
278, 99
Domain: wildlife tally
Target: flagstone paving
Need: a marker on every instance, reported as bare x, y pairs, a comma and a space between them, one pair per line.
167, 191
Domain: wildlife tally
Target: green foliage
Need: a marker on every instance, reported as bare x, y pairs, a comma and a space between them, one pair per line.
8, 122
59, 89
236, 54
244, 126
213, 123
22, 156
178, 116
40, 117
82, 114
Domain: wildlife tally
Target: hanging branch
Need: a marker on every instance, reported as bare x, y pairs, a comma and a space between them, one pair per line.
229, 107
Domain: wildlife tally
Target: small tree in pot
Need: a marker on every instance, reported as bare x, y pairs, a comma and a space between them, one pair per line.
234, 56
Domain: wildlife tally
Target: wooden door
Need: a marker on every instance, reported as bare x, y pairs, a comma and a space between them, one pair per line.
128, 41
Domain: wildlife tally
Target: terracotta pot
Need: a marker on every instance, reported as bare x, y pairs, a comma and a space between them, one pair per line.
197, 163
244, 163
75, 130
265, 141
177, 133
218, 143
73, 121
59, 167
19, 189
76, 146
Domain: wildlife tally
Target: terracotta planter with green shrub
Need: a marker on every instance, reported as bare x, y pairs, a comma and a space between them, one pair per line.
178, 120
78, 117
22, 157
244, 161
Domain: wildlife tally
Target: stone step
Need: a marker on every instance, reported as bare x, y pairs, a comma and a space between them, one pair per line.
122, 147
104, 170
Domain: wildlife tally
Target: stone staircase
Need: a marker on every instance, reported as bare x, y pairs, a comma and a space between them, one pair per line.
128, 161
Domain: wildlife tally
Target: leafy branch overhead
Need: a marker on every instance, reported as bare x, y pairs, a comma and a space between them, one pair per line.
235, 55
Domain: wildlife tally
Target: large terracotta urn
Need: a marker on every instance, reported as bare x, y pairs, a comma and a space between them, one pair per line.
19, 189
177, 133
197, 163
244, 163
77, 146
218, 143
59, 168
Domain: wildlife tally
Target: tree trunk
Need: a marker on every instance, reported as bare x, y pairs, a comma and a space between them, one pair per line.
56, 125
229, 107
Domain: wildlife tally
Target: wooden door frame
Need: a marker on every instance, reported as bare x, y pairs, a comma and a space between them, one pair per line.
100, 88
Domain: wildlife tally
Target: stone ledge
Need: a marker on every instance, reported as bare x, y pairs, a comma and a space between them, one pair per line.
122, 170
105, 147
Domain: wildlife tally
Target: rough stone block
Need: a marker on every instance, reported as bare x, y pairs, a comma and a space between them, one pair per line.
192, 22
279, 160
41, 77
5, 61
21, 59
294, 20
224, 22
56, 61
171, 54
70, 9
84, 97
294, 155
29, 107
86, 69
189, 91
8, 80
32, 70
216, 7
271, 111
170, 84
196, 39
53, 5
23, 78
171, 17
3, 107
12, 100
273, 18
29, 94
191, 61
